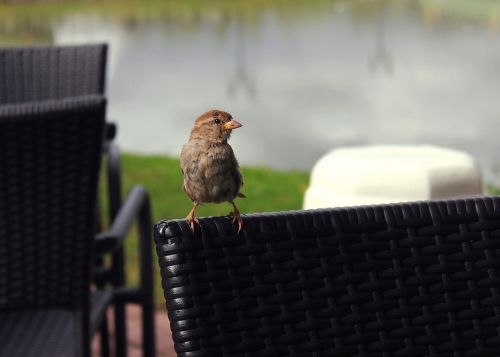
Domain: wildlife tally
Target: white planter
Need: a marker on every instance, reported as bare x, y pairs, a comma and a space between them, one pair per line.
387, 174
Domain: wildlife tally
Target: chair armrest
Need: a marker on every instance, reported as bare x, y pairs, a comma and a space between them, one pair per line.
110, 131
136, 205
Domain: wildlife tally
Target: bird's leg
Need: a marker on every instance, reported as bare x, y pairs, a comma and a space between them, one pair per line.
237, 217
192, 220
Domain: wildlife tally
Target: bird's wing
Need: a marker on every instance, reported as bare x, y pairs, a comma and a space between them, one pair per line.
238, 179
190, 165
185, 160
183, 182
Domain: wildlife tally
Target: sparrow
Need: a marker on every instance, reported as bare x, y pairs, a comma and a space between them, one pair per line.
209, 168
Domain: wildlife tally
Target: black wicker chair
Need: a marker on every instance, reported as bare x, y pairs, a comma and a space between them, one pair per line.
57, 72
412, 279
49, 163
51, 72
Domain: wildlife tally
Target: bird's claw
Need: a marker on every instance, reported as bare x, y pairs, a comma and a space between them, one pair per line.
237, 220
193, 223
191, 217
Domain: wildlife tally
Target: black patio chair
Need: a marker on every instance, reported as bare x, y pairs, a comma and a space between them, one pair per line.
409, 279
50, 154
57, 72
51, 72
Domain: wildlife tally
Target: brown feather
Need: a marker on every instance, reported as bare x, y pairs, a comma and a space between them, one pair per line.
210, 169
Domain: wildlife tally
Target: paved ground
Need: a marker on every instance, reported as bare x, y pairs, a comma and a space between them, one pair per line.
164, 343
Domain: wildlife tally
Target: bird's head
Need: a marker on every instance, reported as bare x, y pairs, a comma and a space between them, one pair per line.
214, 126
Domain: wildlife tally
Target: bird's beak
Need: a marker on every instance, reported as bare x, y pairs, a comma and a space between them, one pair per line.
232, 124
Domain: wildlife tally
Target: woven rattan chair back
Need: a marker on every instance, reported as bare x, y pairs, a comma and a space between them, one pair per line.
49, 164
51, 72
417, 279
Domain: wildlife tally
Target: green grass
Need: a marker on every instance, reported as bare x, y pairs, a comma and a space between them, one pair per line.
266, 190
493, 190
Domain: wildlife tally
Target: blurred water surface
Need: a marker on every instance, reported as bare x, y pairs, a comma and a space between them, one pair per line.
302, 76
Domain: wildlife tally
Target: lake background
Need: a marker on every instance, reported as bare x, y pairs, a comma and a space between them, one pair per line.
302, 76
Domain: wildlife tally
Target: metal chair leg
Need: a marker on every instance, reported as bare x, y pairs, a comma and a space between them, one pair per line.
147, 286
120, 314
104, 336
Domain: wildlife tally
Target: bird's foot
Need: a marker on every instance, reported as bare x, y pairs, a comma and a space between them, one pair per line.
238, 221
191, 218
192, 221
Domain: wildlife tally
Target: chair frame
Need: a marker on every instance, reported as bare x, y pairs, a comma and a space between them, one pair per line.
81, 70
33, 134
409, 279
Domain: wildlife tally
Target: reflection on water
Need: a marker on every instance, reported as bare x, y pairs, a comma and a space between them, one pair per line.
302, 76
381, 59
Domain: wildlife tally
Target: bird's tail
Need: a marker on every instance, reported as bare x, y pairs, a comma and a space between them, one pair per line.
240, 194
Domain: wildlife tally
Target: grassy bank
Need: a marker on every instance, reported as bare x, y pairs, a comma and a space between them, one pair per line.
266, 190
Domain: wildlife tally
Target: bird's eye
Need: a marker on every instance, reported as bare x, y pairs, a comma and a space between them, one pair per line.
217, 121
